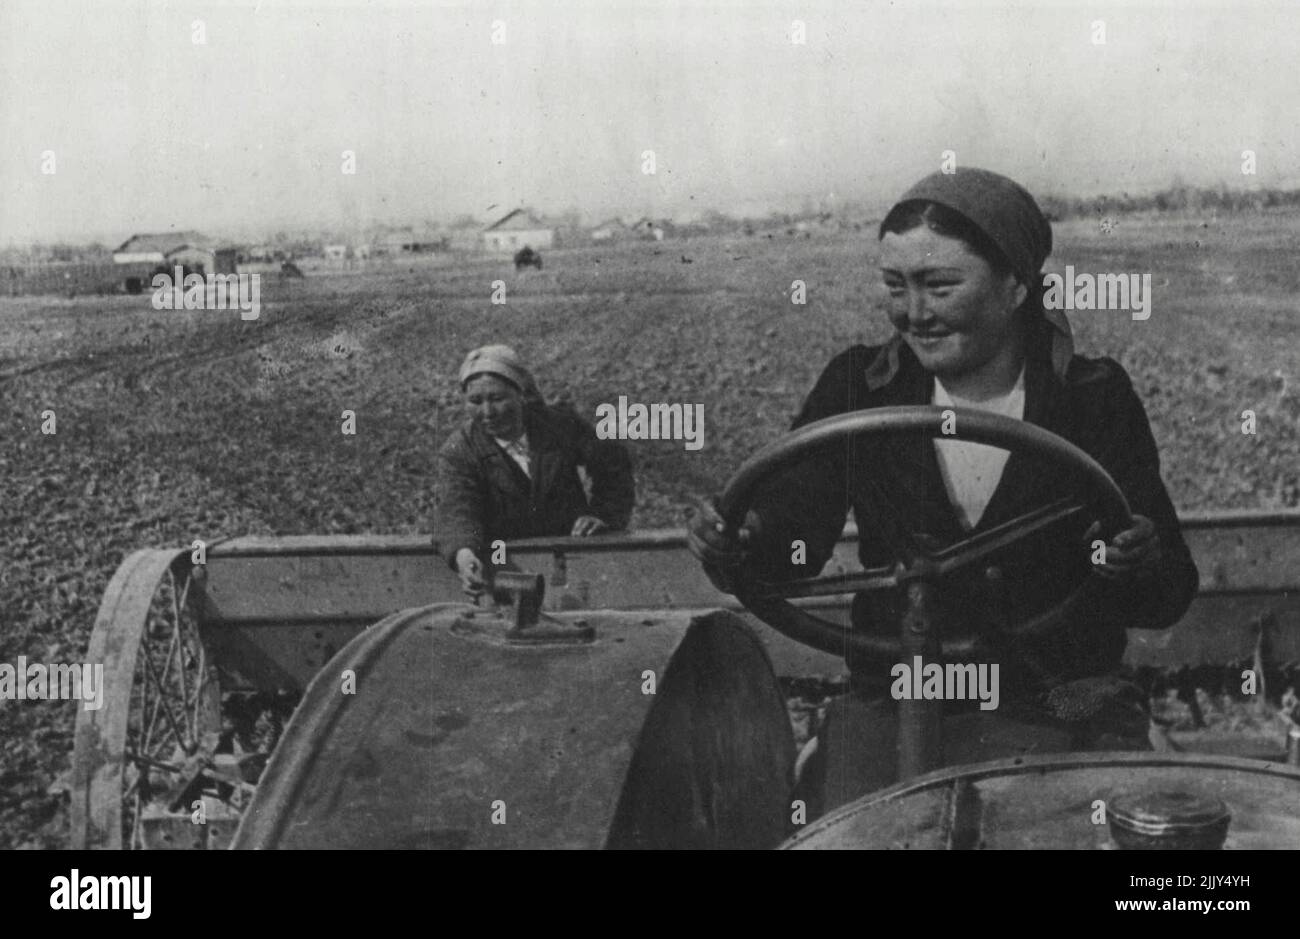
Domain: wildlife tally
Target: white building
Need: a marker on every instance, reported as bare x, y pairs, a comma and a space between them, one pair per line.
188, 249
519, 229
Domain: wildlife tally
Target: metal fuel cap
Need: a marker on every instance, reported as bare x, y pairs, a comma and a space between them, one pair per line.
1166, 820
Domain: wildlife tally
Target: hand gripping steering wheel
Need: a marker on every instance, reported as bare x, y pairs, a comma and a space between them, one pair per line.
913, 564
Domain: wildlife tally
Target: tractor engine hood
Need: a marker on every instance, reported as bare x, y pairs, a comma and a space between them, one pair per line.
453, 726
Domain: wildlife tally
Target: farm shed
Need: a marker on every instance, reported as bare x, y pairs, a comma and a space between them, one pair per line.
208, 261
410, 241
517, 230
140, 256
189, 249
612, 230
260, 259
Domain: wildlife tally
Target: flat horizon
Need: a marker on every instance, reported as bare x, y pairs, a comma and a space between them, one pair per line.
239, 119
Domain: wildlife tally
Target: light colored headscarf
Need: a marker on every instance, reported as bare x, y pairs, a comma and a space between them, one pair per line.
503, 362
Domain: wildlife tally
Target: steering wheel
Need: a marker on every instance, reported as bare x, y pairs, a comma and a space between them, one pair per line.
912, 563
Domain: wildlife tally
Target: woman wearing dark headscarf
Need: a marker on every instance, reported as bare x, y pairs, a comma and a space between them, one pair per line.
512, 470
961, 256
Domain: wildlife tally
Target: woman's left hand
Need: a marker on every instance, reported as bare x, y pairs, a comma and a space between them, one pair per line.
588, 525
1130, 552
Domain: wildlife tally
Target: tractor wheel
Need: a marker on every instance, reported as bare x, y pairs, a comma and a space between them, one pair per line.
143, 762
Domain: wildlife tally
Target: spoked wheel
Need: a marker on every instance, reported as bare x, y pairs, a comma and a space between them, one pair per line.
145, 770
172, 727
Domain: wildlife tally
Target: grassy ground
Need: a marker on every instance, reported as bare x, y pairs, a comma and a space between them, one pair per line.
180, 425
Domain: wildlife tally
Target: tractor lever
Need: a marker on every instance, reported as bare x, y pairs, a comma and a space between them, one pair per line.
522, 593
519, 595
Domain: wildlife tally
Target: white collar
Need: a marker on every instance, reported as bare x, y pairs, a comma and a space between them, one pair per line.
519, 443
1012, 401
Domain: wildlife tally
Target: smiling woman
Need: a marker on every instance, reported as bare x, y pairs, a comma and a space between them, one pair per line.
961, 256
954, 298
512, 470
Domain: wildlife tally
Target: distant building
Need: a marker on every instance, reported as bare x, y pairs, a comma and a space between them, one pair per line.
152, 249
519, 229
190, 250
410, 241
259, 267
649, 229
209, 261
808, 223
612, 230
260, 259
335, 252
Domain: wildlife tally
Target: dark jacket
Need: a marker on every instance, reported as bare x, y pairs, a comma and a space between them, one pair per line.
1089, 402
483, 495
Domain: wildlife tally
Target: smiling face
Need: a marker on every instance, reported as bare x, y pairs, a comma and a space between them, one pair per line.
955, 312
496, 404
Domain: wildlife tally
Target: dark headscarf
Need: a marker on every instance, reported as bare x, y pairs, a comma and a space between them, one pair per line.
1000, 208
1010, 217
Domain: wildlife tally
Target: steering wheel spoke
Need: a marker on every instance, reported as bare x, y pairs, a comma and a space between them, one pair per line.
884, 577
978, 547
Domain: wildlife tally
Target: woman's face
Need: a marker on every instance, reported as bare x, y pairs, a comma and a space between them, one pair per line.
497, 405
954, 312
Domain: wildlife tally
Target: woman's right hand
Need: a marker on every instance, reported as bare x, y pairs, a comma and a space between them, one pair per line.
721, 551
470, 569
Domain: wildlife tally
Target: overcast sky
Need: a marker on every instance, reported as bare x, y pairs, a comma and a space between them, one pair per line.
246, 132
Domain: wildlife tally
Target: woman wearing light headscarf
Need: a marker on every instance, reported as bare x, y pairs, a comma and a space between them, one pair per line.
511, 471
961, 259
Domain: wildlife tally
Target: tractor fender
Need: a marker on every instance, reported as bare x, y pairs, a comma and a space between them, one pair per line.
659, 731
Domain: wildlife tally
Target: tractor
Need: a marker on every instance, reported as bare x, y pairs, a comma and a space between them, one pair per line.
341, 691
